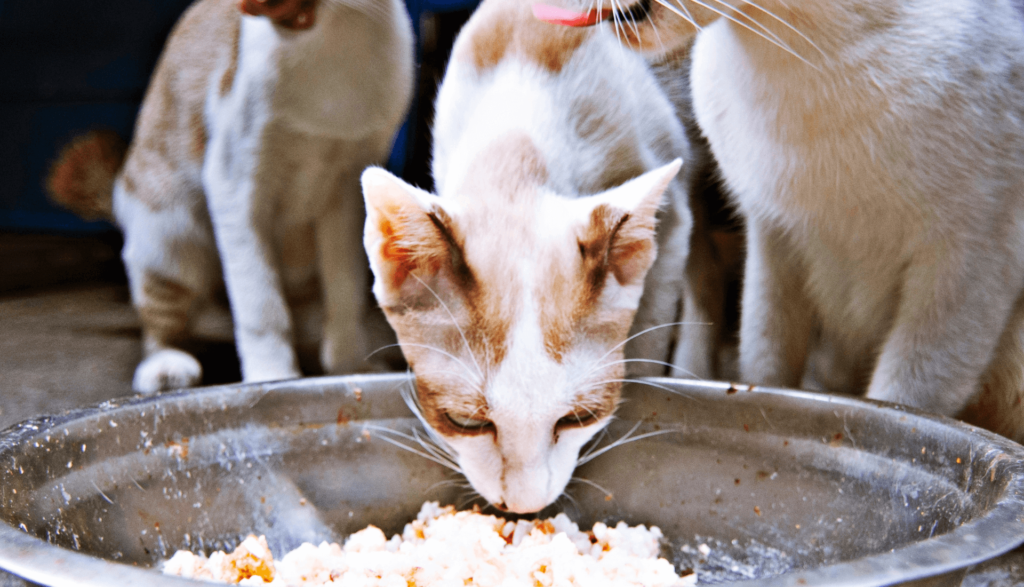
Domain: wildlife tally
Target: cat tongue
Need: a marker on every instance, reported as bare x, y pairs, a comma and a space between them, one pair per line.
562, 16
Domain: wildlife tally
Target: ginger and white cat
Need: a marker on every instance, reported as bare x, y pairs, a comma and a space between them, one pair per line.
244, 170
876, 150
513, 289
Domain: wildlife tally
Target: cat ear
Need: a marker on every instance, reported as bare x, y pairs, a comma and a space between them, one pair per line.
408, 235
621, 226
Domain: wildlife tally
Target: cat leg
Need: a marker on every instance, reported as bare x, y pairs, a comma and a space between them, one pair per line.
163, 306
654, 324
703, 306
776, 318
169, 257
952, 308
243, 210
344, 273
999, 403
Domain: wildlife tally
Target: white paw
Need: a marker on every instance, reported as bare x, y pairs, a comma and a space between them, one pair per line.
166, 369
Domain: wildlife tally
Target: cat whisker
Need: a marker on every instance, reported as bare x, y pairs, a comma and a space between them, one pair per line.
687, 17
433, 449
647, 383
630, 19
746, 19
425, 455
590, 483
449, 483
438, 442
623, 440
572, 502
763, 32
653, 362
598, 363
455, 323
429, 348
474, 384
473, 496
595, 442
783, 22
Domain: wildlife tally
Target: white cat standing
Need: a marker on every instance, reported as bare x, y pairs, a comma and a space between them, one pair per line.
245, 167
512, 291
876, 150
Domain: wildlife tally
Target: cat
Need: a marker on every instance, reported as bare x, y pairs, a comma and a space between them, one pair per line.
244, 171
513, 289
876, 151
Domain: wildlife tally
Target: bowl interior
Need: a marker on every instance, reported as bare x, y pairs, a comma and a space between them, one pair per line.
770, 481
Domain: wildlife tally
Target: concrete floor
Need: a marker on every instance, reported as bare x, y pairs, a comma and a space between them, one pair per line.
74, 345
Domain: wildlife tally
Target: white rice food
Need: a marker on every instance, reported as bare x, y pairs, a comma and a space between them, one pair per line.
445, 548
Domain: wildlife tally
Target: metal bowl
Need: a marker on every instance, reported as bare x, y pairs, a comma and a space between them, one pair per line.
783, 487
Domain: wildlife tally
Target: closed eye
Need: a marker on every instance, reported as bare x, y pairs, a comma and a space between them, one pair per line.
469, 424
576, 419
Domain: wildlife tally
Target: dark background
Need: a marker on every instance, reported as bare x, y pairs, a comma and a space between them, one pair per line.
67, 67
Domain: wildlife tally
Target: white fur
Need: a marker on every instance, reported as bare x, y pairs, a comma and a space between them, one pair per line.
307, 111
883, 190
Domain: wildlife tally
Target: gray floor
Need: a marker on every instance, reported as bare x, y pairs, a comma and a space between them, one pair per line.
71, 346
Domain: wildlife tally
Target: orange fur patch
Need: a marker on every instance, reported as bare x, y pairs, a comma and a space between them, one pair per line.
171, 131
82, 179
501, 29
163, 308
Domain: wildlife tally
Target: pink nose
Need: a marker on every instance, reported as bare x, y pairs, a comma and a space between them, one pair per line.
561, 16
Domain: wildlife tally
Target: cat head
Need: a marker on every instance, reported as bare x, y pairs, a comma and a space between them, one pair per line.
511, 308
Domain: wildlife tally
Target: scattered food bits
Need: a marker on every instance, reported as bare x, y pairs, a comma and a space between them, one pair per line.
757, 510
704, 549
445, 547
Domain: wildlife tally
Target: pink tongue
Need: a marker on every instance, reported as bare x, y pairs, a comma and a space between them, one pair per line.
556, 15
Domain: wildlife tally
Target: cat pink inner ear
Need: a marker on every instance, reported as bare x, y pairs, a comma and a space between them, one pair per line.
564, 17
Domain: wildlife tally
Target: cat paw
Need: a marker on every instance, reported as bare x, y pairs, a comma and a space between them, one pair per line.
291, 14
166, 369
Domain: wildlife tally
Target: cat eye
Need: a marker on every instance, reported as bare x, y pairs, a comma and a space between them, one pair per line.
468, 424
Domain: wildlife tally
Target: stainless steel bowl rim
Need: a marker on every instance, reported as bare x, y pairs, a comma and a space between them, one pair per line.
998, 531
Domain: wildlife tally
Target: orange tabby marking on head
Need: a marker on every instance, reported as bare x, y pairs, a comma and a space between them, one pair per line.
510, 27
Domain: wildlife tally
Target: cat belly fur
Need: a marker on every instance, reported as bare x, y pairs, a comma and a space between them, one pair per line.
887, 188
245, 164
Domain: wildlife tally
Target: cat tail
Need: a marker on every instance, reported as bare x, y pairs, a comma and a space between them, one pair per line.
82, 177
